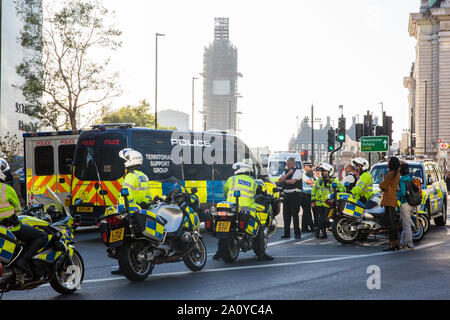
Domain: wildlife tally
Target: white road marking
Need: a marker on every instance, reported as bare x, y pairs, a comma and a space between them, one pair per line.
303, 241
273, 265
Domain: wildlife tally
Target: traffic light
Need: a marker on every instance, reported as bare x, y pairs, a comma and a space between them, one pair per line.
359, 131
304, 154
341, 130
331, 139
379, 131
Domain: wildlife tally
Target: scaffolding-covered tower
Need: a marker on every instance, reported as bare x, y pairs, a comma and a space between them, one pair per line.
220, 80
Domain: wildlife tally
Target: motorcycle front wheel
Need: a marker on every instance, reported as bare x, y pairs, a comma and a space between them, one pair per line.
197, 259
70, 275
341, 230
132, 261
229, 248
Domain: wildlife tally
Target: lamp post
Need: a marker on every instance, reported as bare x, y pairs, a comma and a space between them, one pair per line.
193, 81
156, 77
425, 134
236, 127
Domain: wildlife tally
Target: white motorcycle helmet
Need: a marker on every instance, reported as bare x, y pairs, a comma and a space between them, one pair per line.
327, 167
361, 162
4, 167
241, 168
132, 157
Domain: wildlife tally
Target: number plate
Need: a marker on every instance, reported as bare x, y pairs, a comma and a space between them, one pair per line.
85, 209
116, 235
223, 226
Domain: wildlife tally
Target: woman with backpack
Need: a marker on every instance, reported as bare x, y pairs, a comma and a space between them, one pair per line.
406, 241
389, 201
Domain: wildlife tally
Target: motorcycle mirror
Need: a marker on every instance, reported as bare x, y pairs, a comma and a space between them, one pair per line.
347, 184
334, 185
194, 190
78, 201
237, 193
124, 192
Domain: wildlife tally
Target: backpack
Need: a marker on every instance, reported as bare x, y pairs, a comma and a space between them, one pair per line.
413, 194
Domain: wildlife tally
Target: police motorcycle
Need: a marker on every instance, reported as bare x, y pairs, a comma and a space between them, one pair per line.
239, 229
352, 220
57, 263
167, 231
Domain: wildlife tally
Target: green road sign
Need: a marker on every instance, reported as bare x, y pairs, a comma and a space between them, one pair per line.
375, 144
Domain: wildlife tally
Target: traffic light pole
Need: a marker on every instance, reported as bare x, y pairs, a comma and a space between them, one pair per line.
335, 150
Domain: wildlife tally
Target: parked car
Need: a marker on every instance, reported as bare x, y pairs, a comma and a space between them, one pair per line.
434, 189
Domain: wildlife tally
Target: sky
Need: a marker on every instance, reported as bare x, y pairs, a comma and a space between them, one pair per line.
291, 53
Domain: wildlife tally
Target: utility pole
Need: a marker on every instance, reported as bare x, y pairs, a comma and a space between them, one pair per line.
425, 142
156, 77
312, 133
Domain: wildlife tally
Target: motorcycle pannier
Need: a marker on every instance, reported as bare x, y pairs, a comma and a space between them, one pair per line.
252, 224
353, 209
149, 225
8, 245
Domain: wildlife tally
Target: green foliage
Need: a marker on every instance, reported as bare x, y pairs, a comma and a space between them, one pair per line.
140, 115
11, 148
65, 72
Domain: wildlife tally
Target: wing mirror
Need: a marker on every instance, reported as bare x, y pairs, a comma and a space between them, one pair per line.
78, 202
194, 190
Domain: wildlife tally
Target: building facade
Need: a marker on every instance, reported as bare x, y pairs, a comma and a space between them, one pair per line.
13, 120
171, 118
220, 80
429, 81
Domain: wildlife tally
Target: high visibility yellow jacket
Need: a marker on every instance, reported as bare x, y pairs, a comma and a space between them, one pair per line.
9, 204
364, 187
246, 185
138, 187
321, 190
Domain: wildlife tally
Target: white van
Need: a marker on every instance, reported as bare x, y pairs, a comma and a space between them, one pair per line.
277, 163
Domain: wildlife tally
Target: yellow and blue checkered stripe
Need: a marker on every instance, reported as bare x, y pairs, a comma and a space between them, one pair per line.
49, 256
252, 226
353, 210
192, 221
154, 229
7, 247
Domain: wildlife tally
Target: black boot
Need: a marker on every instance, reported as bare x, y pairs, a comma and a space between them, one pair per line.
217, 256
324, 234
117, 271
24, 266
264, 257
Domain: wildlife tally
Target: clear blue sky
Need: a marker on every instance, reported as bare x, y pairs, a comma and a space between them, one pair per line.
292, 53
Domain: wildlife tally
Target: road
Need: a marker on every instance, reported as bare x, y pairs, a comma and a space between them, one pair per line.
308, 268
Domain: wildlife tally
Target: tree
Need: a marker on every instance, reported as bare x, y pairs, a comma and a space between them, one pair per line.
140, 115
64, 70
12, 149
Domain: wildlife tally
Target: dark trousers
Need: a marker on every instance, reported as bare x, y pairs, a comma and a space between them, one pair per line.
291, 207
34, 238
305, 203
391, 223
321, 218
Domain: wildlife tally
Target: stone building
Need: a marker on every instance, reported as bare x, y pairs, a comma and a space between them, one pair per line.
429, 81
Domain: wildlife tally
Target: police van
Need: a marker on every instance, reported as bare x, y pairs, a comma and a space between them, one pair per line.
48, 158
277, 163
198, 159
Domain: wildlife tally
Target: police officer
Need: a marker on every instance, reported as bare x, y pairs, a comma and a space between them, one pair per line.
243, 182
363, 188
305, 197
322, 188
350, 177
9, 209
136, 181
291, 182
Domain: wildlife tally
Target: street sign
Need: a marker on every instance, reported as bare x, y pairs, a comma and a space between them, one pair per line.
375, 144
